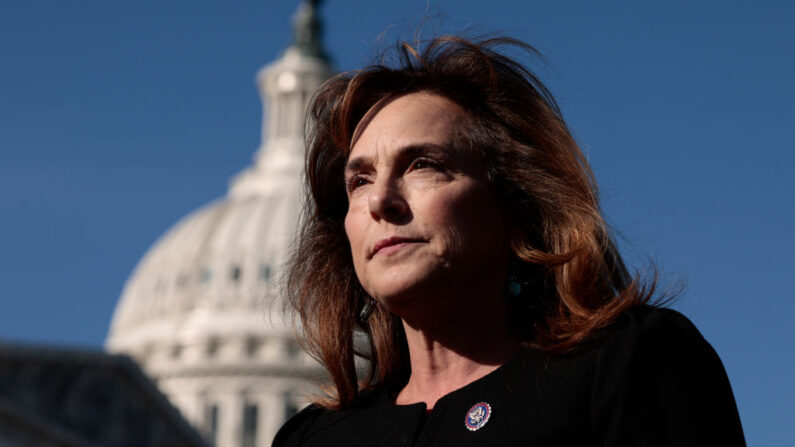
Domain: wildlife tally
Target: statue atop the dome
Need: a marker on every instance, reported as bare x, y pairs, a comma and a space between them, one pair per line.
308, 29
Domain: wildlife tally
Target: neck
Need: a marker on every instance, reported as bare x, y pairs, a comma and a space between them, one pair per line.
466, 343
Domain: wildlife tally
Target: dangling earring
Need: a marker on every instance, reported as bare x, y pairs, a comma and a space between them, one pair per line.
514, 284
367, 310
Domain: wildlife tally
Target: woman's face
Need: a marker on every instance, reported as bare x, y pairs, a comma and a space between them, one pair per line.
421, 219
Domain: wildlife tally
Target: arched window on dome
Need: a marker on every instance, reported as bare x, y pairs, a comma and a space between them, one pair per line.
265, 272
205, 275
235, 273
176, 351
292, 348
252, 346
212, 346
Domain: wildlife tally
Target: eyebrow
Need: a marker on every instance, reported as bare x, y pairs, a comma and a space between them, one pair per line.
355, 164
408, 151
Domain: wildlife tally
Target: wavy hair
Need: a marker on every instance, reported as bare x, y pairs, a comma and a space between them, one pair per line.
575, 281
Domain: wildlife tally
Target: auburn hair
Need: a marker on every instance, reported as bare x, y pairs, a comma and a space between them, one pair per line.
575, 281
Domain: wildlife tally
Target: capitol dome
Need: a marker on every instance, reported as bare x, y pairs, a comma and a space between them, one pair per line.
201, 312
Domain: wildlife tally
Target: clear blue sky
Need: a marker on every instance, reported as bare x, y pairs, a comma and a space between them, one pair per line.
118, 118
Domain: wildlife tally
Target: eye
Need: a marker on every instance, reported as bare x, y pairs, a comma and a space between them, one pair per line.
423, 163
355, 181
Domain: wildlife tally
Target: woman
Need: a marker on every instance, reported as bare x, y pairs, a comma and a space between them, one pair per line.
455, 225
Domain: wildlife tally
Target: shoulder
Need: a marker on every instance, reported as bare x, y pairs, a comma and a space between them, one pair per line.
654, 327
318, 426
295, 429
658, 343
656, 375
655, 345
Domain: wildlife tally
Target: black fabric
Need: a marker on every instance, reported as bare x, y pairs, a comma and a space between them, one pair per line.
649, 380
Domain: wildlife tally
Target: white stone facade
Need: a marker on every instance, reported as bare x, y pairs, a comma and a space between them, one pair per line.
201, 312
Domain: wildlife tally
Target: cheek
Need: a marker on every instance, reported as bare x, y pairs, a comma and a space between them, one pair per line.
355, 229
462, 209
351, 229
471, 220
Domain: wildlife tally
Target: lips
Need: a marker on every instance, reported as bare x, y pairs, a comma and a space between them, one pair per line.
390, 242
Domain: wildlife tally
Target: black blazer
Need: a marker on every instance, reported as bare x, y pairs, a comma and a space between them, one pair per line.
650, 379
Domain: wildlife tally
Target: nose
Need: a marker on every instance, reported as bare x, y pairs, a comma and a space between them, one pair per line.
387, 202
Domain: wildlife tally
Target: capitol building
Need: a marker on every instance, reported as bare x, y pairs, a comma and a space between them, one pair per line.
202, 312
